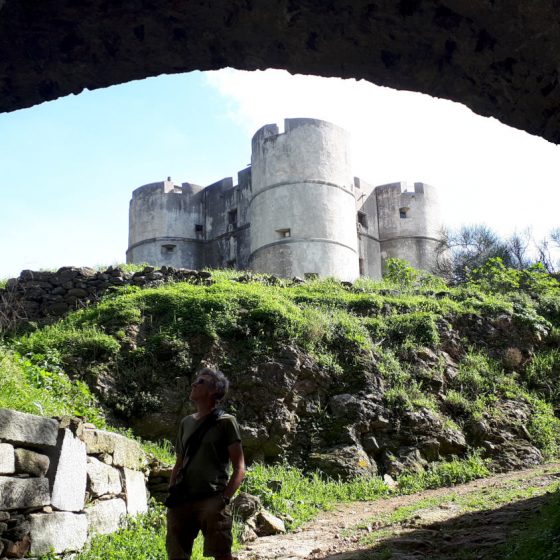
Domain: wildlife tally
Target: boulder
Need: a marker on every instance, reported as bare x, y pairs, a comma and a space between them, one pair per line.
136, 495
60, 531
245, 505
451, 442
269, 524
68, 477
346, 461
389, 481
105, 516
7, 459
102, 479
20, 493
30, 462
27, 429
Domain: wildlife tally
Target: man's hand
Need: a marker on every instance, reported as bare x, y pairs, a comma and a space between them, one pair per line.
238, 463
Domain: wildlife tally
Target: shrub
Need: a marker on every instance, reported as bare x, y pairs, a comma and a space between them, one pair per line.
417, 328
542, 374
400, 273
544, 427
512, 358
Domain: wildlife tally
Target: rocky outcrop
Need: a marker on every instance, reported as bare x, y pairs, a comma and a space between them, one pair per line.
293, 409
498, 58
52, 494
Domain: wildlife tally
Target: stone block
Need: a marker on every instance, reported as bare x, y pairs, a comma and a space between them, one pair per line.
68, 475
27, 429
7, 459
102, 479
126, 452
19, 493
32, 463
62, 531
136, 495
104, 516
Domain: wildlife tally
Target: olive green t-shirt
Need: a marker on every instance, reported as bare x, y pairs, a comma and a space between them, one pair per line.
208, 470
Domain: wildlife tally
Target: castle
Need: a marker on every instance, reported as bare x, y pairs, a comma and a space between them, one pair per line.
297, 210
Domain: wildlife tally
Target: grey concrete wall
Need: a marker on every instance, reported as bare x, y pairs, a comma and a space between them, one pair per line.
302, 182
227, 238
367, 229
418, 252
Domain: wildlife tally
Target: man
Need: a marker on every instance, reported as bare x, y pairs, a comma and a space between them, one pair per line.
205, 487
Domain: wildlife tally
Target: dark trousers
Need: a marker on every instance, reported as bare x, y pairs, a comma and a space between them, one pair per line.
186, 520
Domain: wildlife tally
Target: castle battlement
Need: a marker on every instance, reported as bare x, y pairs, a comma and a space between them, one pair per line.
296, 210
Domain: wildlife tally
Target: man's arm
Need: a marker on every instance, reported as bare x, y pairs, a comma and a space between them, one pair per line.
238, 463
175, 471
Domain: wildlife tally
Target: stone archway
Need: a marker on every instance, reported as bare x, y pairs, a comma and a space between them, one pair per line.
499, 58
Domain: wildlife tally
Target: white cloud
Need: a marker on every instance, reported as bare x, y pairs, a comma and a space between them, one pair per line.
485, 171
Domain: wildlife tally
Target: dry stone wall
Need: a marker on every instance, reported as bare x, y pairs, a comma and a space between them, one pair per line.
43, 296
62, 481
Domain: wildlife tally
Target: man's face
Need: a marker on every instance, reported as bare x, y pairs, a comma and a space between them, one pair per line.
202, 388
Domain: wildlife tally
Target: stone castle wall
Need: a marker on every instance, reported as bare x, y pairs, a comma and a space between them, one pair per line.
63, 481
39, 296
296, 210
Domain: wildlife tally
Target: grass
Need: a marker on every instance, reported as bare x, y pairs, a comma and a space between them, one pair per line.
41, 387
288, 492
145, 338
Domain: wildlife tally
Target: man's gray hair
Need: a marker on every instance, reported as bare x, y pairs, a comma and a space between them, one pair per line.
219, 381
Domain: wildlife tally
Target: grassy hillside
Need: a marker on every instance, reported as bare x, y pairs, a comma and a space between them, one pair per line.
475, 362
501, 333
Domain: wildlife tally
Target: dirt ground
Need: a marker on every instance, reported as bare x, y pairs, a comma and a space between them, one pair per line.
447, 530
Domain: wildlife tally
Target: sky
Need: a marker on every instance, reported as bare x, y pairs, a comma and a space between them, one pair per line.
68, 167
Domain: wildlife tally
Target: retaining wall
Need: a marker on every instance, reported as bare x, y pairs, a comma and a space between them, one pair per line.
63, 481
44, 296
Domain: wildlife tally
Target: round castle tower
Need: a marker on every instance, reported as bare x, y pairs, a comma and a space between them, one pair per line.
303, 209
409, 223
166, 225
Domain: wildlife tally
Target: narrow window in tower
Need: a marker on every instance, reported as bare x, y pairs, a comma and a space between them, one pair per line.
403, 212
232, 218
167, 249
362, 219
362, 267
198, 228
286, 232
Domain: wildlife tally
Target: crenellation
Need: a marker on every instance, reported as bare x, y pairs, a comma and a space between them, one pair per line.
296, 210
